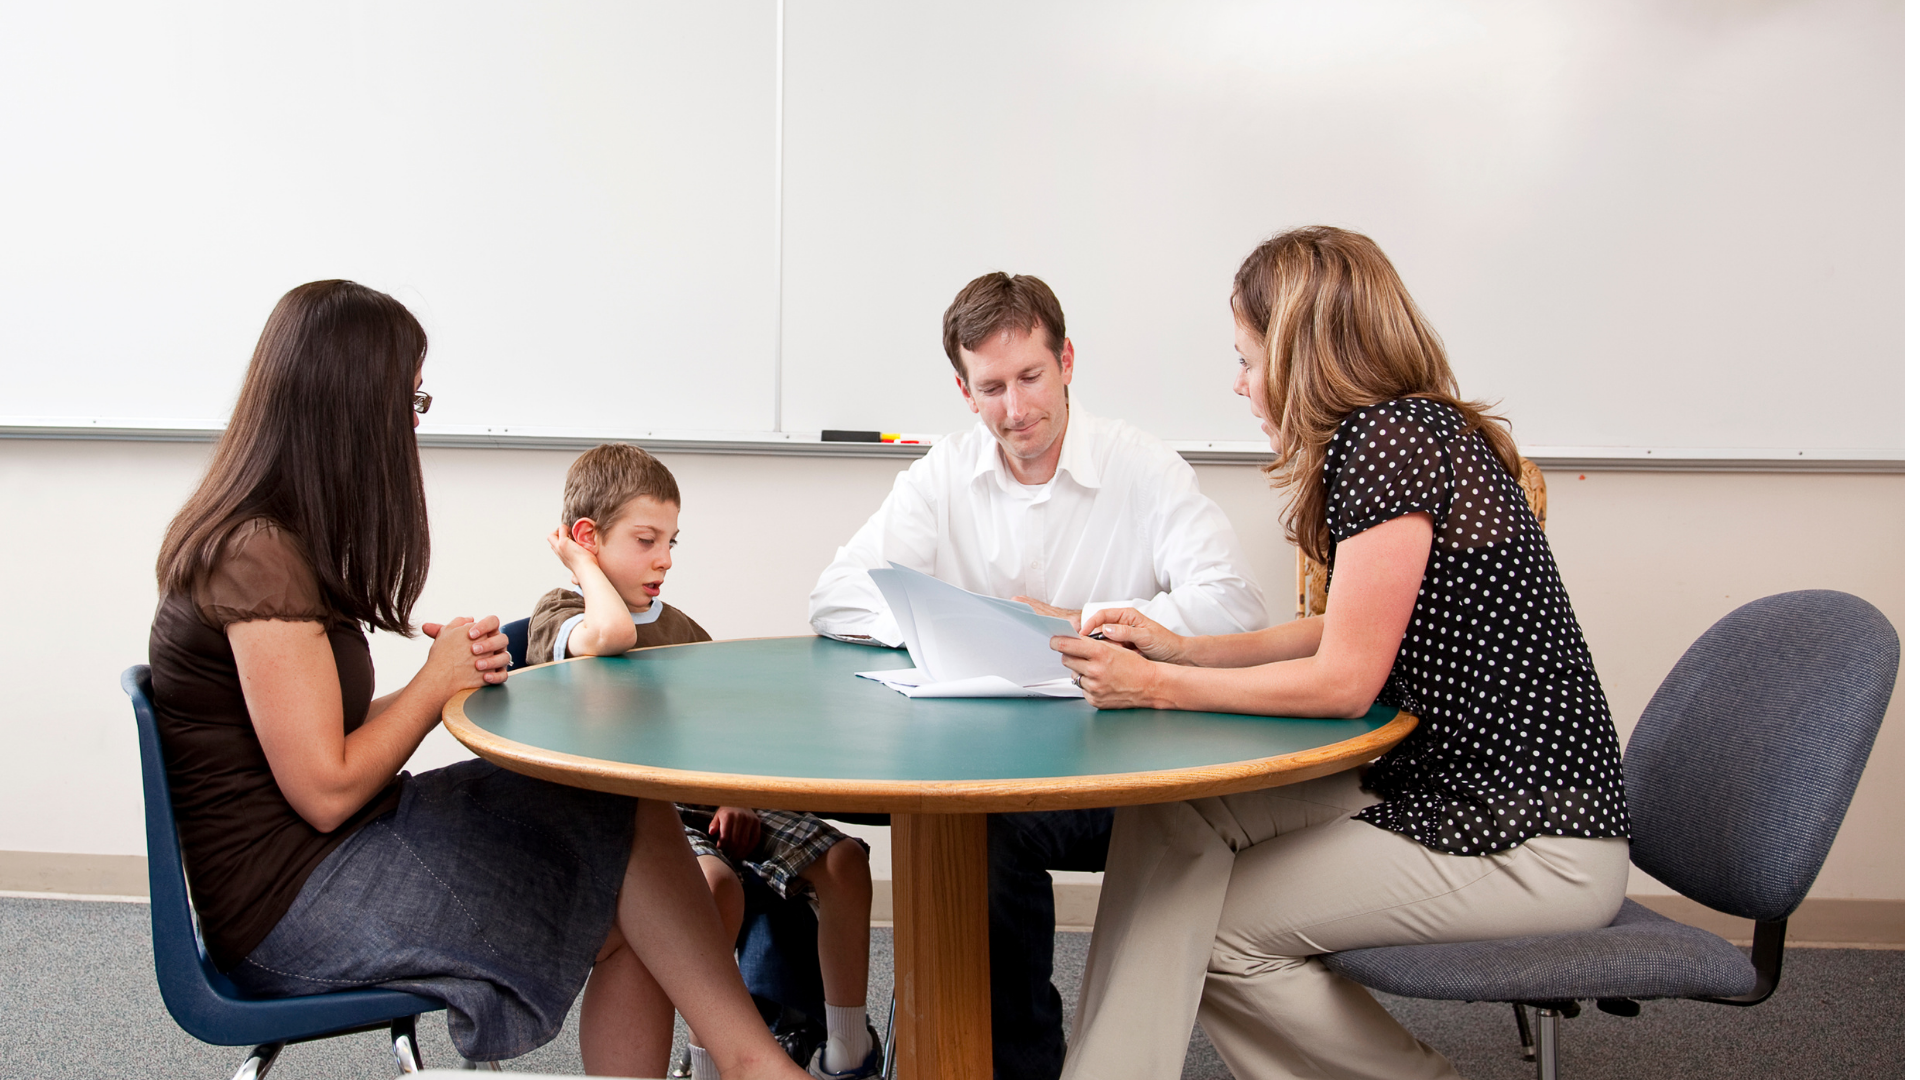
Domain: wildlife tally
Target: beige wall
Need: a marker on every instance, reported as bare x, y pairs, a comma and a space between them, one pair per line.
1651, 559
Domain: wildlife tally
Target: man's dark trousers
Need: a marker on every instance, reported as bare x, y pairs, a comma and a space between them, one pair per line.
1029, 1039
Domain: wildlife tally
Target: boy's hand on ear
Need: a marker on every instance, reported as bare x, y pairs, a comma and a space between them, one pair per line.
571, 554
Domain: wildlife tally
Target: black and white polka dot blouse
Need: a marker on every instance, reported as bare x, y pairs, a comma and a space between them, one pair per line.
1515, 739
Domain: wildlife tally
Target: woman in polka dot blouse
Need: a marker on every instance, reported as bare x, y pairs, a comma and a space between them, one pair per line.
1503, 813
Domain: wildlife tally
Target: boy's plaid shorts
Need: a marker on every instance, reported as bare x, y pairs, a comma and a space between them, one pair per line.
789, 842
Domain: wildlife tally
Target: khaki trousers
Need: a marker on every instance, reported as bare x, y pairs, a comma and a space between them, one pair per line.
1220, 906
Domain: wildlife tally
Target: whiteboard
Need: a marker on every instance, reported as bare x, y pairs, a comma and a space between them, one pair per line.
1634, 223
576, 199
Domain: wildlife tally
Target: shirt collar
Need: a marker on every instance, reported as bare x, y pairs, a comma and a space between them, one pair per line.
1076, 452
1076, 456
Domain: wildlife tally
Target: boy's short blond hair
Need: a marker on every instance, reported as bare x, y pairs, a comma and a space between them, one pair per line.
610, 475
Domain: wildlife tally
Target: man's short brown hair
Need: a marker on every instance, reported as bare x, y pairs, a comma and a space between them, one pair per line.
607, 477
997, 303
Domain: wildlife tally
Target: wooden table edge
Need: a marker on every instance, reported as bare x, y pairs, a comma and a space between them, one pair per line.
922, 796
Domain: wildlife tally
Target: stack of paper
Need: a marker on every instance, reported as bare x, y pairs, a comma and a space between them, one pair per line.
967, 645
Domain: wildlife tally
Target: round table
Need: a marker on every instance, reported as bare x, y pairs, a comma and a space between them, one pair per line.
784, 722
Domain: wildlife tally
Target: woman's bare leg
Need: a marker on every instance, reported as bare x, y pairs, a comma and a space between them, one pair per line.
669, 922
730, 900
626, 1021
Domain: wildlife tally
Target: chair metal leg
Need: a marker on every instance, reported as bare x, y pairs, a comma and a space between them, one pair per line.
1526, 1031
1549, 1049
406, 1046
258, 1062
886, 1055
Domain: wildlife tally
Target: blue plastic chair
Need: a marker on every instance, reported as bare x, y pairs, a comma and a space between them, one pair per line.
1738, 776
516, 632
205, 1003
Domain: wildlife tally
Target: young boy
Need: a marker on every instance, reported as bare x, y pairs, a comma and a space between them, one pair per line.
620, 522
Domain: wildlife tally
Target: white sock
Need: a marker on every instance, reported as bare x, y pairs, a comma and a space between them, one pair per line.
847, 1041
703, 1066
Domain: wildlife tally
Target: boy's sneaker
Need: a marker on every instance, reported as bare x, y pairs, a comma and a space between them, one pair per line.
866, 1070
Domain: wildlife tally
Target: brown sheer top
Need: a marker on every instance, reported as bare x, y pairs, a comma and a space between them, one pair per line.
247, 851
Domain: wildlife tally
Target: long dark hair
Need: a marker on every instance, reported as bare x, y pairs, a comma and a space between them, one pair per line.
1342, 333
321, 444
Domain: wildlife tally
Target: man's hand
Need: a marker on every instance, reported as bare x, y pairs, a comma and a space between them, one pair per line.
735, 830
1048, 609
571, 554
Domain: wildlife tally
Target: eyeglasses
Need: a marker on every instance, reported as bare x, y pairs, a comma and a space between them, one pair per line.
422, 401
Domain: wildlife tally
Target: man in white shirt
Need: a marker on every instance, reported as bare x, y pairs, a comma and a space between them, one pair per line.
1050, 506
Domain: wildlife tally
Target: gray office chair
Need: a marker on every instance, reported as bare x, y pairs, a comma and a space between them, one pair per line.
1737, 777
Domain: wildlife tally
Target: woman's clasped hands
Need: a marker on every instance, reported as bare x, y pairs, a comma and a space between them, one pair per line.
1116, 670
466, 654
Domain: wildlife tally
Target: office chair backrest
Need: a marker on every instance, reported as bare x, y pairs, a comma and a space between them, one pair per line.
516, 632
1745, 760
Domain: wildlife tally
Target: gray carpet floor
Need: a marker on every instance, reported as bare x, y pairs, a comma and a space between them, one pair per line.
77, 999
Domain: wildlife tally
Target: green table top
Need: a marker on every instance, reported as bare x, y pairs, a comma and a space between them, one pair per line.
792, 708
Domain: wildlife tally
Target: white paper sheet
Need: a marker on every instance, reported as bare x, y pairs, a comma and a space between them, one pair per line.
914, 683
967, 645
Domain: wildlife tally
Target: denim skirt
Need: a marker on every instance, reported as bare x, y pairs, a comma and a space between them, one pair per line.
484, 889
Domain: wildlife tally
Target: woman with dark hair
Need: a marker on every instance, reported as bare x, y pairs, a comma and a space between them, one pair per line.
317, 865
1502, 814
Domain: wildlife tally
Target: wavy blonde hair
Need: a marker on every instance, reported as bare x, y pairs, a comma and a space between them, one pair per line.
1341, 333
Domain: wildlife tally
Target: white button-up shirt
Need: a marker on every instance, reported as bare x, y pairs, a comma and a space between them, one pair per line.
1122, 520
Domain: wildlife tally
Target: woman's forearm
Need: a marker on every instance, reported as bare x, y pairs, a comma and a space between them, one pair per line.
373, 753
1352, 647
1307, 686
377, 749
333, 790
370, 758
1286, 641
